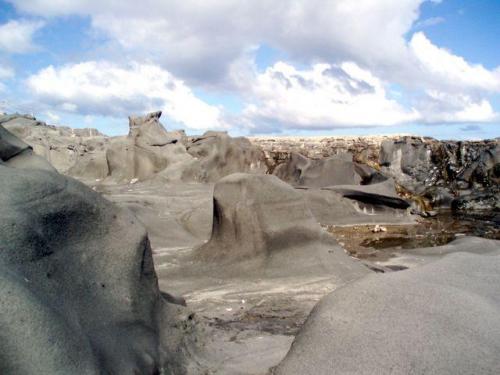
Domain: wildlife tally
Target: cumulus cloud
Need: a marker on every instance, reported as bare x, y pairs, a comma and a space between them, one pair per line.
198, 40
439, 107
16, 36
452, 71
104, 88
323, 96
206, 43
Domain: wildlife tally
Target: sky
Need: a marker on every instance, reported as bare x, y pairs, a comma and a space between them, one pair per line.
257, 67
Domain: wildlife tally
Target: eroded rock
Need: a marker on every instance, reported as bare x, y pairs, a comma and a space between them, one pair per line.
426, 318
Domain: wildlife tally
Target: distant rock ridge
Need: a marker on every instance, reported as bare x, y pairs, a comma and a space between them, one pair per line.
149, 151
464, 175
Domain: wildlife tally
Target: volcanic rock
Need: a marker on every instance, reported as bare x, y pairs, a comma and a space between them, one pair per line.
220, 155
264, 225
302, 171
79, 292
16, 153
358, 204
441, 318
77, 152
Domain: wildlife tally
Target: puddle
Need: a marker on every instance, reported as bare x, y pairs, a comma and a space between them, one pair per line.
361, 242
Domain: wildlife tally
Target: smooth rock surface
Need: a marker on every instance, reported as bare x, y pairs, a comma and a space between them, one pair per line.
261, 225
79, 292
441, 318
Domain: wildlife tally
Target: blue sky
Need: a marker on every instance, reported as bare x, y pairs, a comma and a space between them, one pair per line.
319, 67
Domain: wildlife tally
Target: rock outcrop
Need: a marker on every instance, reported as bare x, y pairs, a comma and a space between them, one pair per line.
149, 151
261, 225
441, 318
359, 204
79, 293
16, 153
76, 152
340, 191
304, 172
463, 175
220, 155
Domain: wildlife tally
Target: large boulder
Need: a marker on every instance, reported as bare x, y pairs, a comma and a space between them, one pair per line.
79, 293
148, 150
359, 204
441, 318
16, 153
261, 225
220, 155
315, 173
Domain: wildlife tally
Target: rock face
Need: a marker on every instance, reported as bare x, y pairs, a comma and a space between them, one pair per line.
441, 171
302, 171
433, 173
79, 293
16, 153
77, 152
359, 204
220, 155
147, 152
265, 225
422, 320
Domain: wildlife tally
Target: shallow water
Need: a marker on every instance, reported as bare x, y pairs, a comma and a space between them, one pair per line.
362, 242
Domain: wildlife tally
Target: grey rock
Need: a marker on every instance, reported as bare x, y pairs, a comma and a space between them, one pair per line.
79, 293
441, 318
302, 171
262, 226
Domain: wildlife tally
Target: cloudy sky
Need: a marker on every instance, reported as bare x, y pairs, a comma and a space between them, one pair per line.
291, 67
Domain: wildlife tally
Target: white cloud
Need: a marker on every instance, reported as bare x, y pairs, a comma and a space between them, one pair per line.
442, 107
198, 40
6, 72
323, 96
452, 71
16, 36
206, 43
103, 88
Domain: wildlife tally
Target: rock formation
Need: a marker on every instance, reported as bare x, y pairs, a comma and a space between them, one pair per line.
264, 226
79, 293
16, 153
302, 171
77, 152
441, 318
340, 191
463, 175
359, 204
147, 152
220, 155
